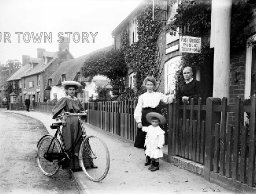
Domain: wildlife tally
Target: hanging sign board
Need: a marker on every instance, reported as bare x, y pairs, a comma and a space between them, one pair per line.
189, 44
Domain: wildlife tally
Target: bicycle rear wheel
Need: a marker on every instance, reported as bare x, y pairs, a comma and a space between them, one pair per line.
48, 144
94, 152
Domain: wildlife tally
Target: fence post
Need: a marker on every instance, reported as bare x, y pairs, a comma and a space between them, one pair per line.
251, 162
171, 117
211, 118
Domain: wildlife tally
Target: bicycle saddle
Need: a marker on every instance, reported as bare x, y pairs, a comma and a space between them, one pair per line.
56, 125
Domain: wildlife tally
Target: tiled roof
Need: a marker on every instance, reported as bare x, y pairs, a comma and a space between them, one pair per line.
126, 21
19, 73
50, 54
38, 68
72, 67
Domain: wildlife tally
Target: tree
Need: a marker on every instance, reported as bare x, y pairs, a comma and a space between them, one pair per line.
109, 63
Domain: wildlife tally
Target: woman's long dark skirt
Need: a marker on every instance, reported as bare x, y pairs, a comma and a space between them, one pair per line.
72, 136
141, 135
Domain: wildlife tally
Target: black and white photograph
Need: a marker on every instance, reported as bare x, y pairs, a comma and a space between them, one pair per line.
127, 96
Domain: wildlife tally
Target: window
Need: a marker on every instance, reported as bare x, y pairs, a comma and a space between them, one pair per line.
13, 85
63, 77
20, 84
24, 83
78, 77
30, 84
171, 68
135, 30
38, 79
133, 34
132, 80
49, 82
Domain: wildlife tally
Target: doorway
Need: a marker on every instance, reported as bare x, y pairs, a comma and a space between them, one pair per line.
253, 72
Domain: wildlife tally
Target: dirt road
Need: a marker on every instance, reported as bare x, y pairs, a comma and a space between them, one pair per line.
18, 168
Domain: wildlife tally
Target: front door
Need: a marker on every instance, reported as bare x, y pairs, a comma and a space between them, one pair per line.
253, 73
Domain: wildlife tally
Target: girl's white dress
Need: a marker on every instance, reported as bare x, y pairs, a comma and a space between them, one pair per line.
154, 141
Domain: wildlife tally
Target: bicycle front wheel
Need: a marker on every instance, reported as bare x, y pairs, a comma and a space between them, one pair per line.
48, 144
94, 158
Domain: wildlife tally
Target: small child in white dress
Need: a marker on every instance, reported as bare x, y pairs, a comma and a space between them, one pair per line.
154, 140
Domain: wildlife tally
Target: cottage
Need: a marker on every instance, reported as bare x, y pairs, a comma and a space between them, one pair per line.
72, 70
32, 78
169, 57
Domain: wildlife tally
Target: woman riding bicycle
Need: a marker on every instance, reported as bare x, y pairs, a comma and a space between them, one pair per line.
71, 131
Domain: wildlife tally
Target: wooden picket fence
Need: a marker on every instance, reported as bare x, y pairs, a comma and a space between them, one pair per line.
217, 135
230, 142
115, 117
44, 107
186, 125
214, 134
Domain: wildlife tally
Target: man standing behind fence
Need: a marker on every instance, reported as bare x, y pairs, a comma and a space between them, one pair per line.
190, 88
27, 103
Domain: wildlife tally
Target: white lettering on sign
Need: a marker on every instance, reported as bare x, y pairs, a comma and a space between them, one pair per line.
189, 44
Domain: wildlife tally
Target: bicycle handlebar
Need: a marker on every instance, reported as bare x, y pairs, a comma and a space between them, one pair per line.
75, 114
59, 117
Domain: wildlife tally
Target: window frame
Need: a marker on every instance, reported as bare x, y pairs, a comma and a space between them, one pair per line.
132, 80
31, 84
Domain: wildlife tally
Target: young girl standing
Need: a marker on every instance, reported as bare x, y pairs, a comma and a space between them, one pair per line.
154, 139
147, 102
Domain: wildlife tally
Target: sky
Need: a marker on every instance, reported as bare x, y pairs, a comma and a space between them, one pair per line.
94, 20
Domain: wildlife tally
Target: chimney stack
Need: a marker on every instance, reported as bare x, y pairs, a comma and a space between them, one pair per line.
64, 45
40, 52
25, 59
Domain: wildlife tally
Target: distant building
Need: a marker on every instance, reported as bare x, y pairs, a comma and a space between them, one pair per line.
33, 77
7, 70
71, 70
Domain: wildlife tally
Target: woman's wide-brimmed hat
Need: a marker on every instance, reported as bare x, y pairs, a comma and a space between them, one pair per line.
151, 115
67, 84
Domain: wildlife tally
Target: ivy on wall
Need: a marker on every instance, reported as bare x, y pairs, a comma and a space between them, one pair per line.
141, 56
194, 19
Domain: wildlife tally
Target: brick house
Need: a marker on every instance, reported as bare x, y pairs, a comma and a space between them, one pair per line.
169, 61
33, 77
16, 80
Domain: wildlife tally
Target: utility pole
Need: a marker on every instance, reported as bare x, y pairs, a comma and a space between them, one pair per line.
220, 41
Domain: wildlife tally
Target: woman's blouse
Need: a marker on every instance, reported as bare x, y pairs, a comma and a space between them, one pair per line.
67, 104
149, 99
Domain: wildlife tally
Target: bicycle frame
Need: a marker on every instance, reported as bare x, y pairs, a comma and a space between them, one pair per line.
60, 156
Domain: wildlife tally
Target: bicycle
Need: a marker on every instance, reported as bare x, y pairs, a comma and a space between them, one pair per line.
52, 153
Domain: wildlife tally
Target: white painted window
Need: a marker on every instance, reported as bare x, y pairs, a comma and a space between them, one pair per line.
132, 80
20, 84
30, 84
170, 69
133, 32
